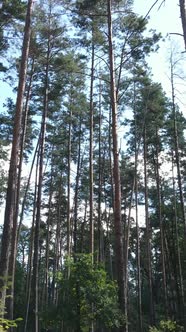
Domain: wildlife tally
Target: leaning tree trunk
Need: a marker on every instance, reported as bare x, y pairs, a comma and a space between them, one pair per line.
116, 171
14, 160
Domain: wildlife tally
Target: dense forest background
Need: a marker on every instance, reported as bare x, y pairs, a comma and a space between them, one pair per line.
94, 237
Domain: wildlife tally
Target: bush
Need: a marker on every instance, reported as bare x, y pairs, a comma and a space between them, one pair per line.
167, 326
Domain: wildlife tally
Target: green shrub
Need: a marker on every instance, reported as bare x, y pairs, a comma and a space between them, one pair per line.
167, 326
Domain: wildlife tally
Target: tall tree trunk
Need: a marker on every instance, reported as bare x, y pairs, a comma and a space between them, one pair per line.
183, 18
39, 194
26, 190
177, 157
148, 233
48, 238
100, 247
68, 181
57, 241
14, 160
77, 188
116, 172
13, 251
83, 227
138, 259
158, 183
140, 316
91, 170
31, 246
126, 253
91, 176
177, 249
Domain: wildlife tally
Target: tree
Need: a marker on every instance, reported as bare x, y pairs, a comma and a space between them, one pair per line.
183, 18
86, 284
116, 170
12, 177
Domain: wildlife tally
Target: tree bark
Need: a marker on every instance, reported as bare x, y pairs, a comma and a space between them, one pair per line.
148, 234
183, 19
91, 175
100, 246
116, 172
177, 157
39, 194
138, 259
68, 181
77, 188
31, 246
48, 237
13, 251
12, 177
158, 183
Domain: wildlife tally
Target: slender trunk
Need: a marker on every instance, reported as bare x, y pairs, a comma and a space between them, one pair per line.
110, 158
68, 181
138, 259
183, 19
177, 156
31, 246
57, 242
177, 245
26, 191
12, 177
100, 246
12, 258
148, 234
126, 253
83, 228
91, 179
158, 183
48, 238
116, 173
140, 316
77, 189
39, 194
108, 247
91, 170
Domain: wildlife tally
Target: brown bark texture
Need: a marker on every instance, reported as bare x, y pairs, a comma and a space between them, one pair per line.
116, 170
14, 160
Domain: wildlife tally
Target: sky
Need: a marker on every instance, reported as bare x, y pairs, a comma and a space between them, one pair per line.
165, 20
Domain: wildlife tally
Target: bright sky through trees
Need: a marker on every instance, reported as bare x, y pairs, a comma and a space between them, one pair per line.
165, 18
98, 137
